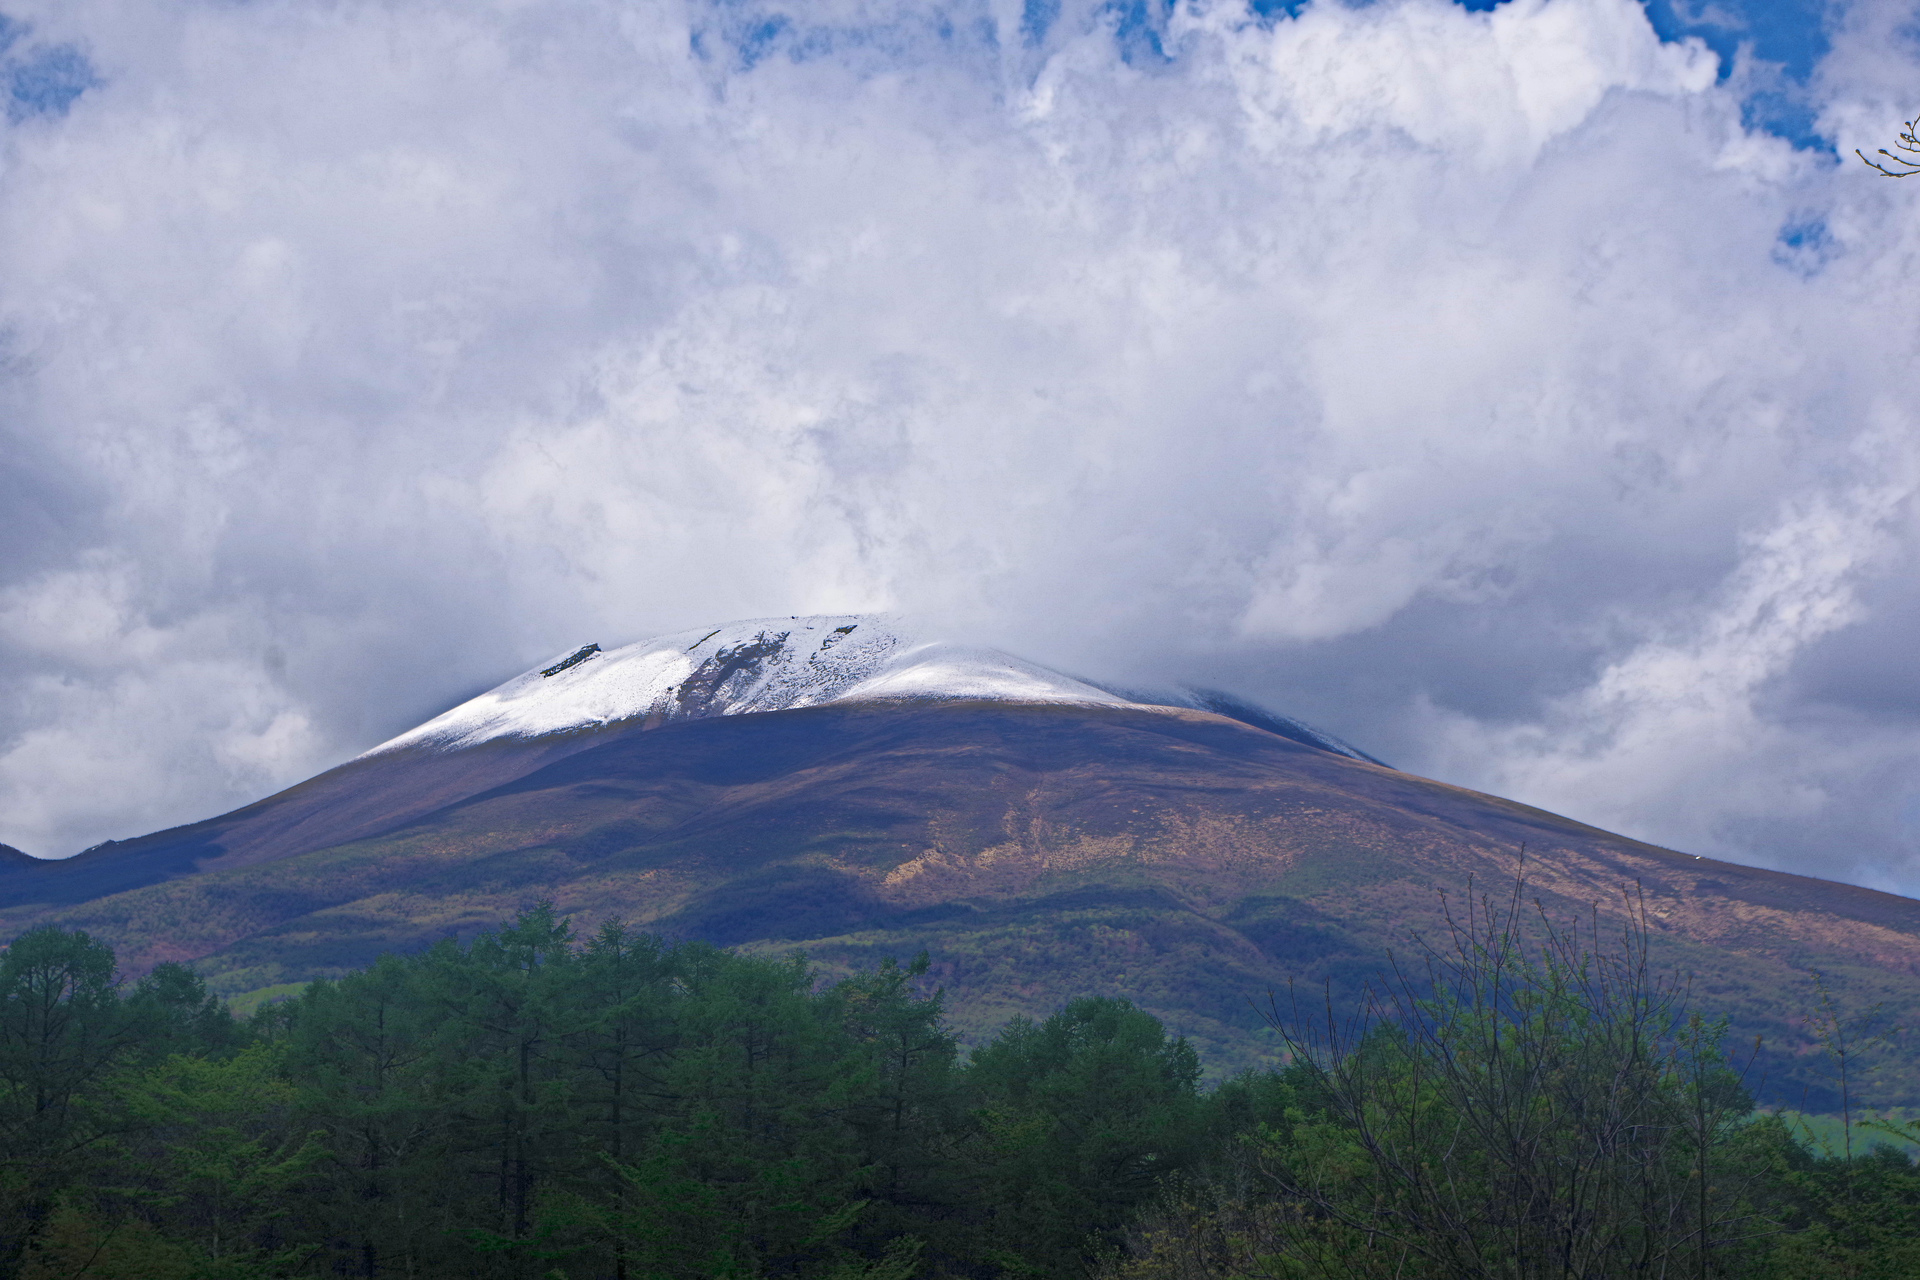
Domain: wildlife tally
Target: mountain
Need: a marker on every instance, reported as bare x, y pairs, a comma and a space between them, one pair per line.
562, 706
839, 787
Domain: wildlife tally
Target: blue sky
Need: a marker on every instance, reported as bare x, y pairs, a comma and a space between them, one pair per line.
1790, 34
1787, 37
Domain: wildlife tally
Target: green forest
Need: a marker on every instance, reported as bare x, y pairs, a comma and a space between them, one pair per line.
1518, 1099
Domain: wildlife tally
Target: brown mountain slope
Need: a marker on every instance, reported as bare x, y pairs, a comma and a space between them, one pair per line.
361, 798
1038, 852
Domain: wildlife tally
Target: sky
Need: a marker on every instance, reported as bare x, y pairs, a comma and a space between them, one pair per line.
1525, 393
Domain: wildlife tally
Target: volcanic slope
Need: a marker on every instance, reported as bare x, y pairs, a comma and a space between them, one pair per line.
563, 706
1038, 848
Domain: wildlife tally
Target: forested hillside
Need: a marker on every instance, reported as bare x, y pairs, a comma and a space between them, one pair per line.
538, 1105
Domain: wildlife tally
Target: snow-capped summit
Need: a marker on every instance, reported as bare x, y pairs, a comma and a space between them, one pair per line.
762, 664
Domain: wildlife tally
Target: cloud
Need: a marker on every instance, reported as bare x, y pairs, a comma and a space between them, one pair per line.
1679, 725
1477, 384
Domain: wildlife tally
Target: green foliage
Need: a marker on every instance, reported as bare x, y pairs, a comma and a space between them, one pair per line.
215, 1150
73, 1244
1081, 1116
619, 1106
62, 1028
1521, 1104
174, 1012
63, 1032
137, 1137
1860, 1219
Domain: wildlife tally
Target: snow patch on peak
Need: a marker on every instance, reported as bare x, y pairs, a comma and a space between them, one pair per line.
762, 664
942, 670
774, 664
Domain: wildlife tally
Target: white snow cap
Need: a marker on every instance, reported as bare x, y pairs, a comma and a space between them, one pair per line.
762, 664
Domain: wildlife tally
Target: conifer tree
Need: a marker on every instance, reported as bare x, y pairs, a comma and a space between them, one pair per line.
1083, 1115
63, 1033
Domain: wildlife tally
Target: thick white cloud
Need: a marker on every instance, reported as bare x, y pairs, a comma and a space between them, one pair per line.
1474, 384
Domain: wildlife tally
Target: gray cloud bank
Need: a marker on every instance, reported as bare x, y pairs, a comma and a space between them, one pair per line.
1472, 384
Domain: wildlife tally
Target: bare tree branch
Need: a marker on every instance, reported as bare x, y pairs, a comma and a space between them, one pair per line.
1897, 166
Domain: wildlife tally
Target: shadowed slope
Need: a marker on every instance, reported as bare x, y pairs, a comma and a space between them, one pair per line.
1039, 852
361, 798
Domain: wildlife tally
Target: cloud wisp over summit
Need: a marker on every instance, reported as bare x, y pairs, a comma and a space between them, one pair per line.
1496, 388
